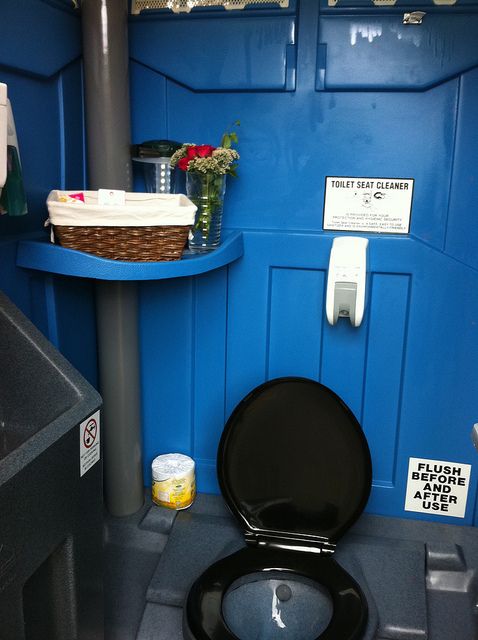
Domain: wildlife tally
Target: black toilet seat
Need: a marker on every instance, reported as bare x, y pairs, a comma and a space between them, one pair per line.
294, 468
204, 603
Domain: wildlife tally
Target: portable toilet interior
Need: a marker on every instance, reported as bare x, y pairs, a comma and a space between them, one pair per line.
333, 99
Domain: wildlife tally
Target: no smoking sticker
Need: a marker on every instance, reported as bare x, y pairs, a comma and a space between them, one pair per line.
89, 442
437, 487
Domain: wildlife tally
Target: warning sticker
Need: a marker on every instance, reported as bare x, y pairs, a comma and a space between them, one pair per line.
376, 205
437, 487
89, 442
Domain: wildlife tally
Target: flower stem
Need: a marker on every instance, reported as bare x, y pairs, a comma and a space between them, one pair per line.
207, 203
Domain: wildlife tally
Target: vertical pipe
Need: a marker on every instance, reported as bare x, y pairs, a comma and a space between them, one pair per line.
118, 359
105, 54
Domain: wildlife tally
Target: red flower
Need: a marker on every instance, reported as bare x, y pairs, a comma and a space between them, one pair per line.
195, 151
204, 150
184, 163
191, 152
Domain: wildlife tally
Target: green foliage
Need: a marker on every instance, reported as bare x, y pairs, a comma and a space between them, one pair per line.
230, 137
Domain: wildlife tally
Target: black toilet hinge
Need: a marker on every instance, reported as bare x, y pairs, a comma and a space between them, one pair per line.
310, 545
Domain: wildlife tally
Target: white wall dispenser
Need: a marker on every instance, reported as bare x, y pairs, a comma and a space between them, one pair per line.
347, 279
3, 134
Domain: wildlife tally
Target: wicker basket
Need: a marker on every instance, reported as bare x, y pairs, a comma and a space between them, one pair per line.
135, 243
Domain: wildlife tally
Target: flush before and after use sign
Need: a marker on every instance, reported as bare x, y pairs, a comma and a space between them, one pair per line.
437, 487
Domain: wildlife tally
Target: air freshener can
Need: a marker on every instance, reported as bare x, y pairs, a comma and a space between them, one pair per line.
174, 481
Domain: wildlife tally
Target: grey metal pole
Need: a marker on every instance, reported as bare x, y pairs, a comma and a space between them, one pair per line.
105, 54
117, 328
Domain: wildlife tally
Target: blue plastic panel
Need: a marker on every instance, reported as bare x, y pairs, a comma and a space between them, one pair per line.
183, 359
71, 129
48, 118
166, 328
462, 236
13, 281
389, 309
209, 366
367, 6
36, 109
224, 54
40, 43
409, 372
148, 117
397, 371
76, 324
377, 51
44, 79
289, 143
295, 295
38, 37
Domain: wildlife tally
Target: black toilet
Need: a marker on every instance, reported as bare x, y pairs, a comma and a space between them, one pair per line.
294, 468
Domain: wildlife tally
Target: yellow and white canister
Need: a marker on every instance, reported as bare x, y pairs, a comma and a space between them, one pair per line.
174, 481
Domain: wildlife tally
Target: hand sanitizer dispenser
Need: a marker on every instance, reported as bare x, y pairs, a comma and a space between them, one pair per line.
3, 134
346, 281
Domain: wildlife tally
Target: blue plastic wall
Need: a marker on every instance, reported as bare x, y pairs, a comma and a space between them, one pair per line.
319, 91
40, 60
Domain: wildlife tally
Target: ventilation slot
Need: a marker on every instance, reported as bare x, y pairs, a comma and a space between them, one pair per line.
185, 6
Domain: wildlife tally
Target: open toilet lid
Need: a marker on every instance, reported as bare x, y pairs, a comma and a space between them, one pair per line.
293, 461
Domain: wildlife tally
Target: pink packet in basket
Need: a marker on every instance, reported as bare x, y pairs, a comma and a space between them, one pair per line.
71, 197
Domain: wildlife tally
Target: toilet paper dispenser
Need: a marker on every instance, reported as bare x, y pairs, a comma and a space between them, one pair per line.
347, 280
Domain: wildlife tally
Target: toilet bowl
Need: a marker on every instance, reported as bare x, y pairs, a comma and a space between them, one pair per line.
294, 468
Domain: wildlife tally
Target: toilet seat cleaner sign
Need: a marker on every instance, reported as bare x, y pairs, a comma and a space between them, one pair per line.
375, 205
437, 487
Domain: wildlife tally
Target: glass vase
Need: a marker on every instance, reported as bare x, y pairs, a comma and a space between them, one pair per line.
207, 191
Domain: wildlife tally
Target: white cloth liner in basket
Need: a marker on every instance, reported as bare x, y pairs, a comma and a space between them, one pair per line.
139, 210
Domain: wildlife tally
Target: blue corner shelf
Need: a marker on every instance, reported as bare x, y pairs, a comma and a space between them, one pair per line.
117, 312
42, 255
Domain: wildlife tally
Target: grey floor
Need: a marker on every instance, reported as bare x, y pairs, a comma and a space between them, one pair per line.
420, 579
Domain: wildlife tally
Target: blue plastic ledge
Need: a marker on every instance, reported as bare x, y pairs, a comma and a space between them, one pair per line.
45, 256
